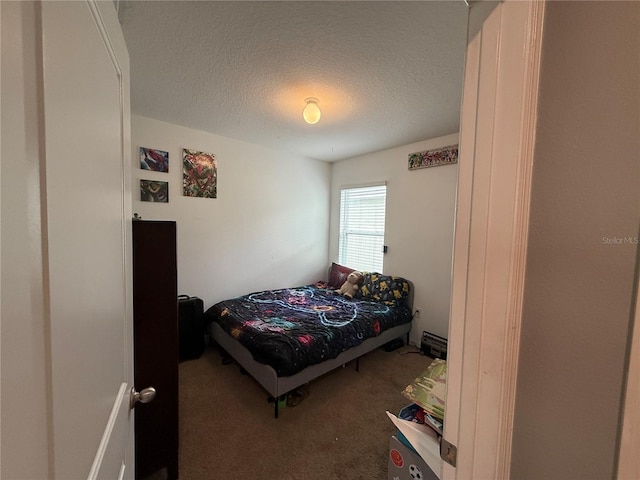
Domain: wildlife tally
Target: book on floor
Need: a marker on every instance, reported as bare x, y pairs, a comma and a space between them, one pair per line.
429, 389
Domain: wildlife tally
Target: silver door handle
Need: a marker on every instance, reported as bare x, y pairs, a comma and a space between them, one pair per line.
143, 396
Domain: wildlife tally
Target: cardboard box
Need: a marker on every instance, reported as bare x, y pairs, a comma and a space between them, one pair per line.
405, 464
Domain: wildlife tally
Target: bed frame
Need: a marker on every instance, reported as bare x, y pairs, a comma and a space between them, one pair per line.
266, 376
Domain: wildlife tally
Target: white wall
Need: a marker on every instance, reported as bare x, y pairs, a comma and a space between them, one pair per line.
419, 224
267, 228
579, 279
25, 396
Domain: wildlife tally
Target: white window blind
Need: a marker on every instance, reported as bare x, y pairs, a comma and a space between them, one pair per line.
362, 218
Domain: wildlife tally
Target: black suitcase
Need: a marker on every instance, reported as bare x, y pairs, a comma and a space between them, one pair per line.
190, 327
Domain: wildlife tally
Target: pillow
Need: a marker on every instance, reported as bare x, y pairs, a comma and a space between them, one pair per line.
338, 275
387, 289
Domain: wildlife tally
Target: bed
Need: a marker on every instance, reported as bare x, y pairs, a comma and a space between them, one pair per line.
287, 337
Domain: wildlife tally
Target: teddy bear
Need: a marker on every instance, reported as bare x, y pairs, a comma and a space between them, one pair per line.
351, 285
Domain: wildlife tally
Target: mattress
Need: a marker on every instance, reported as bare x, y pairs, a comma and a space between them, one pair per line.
293, 328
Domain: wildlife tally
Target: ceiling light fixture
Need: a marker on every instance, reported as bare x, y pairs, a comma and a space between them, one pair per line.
311, 112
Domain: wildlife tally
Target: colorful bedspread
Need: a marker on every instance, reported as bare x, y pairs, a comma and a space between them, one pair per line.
293, 328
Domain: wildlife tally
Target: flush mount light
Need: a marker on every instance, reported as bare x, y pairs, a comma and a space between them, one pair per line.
311, 112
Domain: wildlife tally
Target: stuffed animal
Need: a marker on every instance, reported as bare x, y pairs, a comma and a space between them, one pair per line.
351, 285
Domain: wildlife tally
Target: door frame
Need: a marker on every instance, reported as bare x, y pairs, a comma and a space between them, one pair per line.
497, 138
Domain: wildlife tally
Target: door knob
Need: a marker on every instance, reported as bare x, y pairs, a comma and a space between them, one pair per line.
143, 396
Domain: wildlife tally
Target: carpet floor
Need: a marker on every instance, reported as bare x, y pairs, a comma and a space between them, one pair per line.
339, 431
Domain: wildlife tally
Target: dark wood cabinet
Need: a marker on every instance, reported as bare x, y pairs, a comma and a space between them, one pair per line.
155, 324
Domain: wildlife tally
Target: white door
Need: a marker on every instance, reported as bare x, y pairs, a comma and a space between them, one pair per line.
86, 120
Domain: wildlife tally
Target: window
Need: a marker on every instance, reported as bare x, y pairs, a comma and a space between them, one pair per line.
362, 215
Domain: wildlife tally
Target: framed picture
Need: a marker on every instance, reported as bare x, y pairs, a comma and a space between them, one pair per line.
154, 191
199, 174
434, 158
155, 160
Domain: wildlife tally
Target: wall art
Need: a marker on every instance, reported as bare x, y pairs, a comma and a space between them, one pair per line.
155, 160
434, 158
199, 174
154, 191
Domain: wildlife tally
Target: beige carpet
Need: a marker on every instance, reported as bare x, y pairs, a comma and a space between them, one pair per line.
340, 431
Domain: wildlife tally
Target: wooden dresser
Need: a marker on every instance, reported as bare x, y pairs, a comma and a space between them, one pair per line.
155, 319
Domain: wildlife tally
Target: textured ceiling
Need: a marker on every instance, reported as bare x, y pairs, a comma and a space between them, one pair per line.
385, 73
